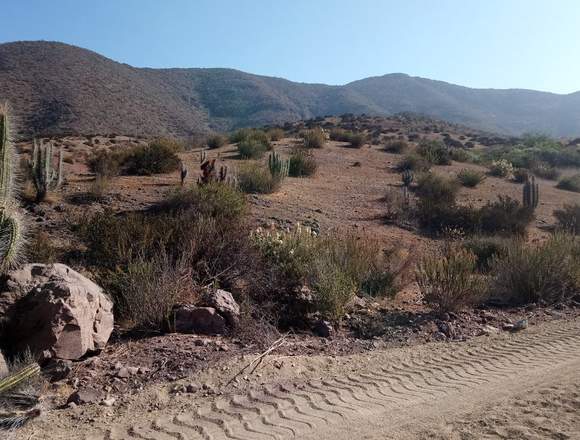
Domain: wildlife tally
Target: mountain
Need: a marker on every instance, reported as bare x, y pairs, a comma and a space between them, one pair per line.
55, 88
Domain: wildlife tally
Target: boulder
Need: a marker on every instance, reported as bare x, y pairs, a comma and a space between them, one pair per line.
323, 329
54, 309
193, 319
86, 395
225, 304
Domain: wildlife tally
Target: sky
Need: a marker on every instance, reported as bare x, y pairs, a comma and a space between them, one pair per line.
530, 44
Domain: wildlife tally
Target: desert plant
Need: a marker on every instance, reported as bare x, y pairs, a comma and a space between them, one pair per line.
549, 272
216, 141
276, 134
545, 171
245, 134
44, 174
501, 168
396, 146
521, 175
569, 218
301, 163
570, 183
434, 152
154, 158
314, 138
531, 194
11, 223
209, 173
413, 162
505, 216
470, 178
278, 167
254, 178
447, 280
357, 140
486, 249
251, 148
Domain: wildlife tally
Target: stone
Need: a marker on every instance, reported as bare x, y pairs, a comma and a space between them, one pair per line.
446, 328
225, 304
488, 330
522, 324
84, 396
193, 319
58, 369
123, 373
109, 402
3, 366
507, 326
52, 308
323, 329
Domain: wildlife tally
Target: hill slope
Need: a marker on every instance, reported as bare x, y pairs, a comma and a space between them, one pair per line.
57, 88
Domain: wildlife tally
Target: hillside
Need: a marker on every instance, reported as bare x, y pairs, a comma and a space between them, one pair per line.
57, 88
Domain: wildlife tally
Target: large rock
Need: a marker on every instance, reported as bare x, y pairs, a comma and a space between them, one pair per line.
225, 304
193, 319
56, 310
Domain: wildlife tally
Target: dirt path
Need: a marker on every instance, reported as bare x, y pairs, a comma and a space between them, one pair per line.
509, 386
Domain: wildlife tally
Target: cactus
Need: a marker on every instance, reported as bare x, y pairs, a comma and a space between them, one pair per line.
183, 173
44, 176
407, 178
11, 225
531, 194
278, 167
202, 157
16, 379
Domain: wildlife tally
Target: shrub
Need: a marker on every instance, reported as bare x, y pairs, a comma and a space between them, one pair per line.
460, 155
314, 138
254, 178
155, 158
549, 272
216, 141
506, 216
413, 162
276, 134
433, 189
470, 178
447, 280
501, 168
357, 140
302, 163
107, 163
485, 249
245, 134
434, 152
397, 205
396, 146
99, 187
335, 267
545, 171
41, 249
252, 148
571, 183
340, 135
569, 218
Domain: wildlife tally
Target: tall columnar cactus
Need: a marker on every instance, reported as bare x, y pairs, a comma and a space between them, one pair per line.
531, 193
44, 175
278, 167
11, 225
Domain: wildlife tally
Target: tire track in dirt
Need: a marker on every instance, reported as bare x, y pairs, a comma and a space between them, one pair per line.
318, 407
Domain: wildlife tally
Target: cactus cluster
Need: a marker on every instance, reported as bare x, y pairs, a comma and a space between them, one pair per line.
11, 225
278, 167
210, 173
531, 194
44, 174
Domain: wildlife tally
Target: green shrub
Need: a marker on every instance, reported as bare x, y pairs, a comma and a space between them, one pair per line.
396, 146
571, 183
486, 249
108, 163
549, 272
156, 158
470, 178
501, 168
216, 141
302, 163
357, 140
245, 134
340, 135
569, 218
314, 138
447, 280
413, 162
254, 178
545, 171
433, 189
434, 152
505, 216
252, 148
461, 155
276, 134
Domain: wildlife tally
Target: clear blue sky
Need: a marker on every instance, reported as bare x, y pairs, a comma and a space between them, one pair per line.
478, 43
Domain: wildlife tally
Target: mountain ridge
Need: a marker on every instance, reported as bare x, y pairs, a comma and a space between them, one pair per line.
56, 88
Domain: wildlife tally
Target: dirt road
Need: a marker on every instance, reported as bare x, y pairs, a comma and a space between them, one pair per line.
525, 385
